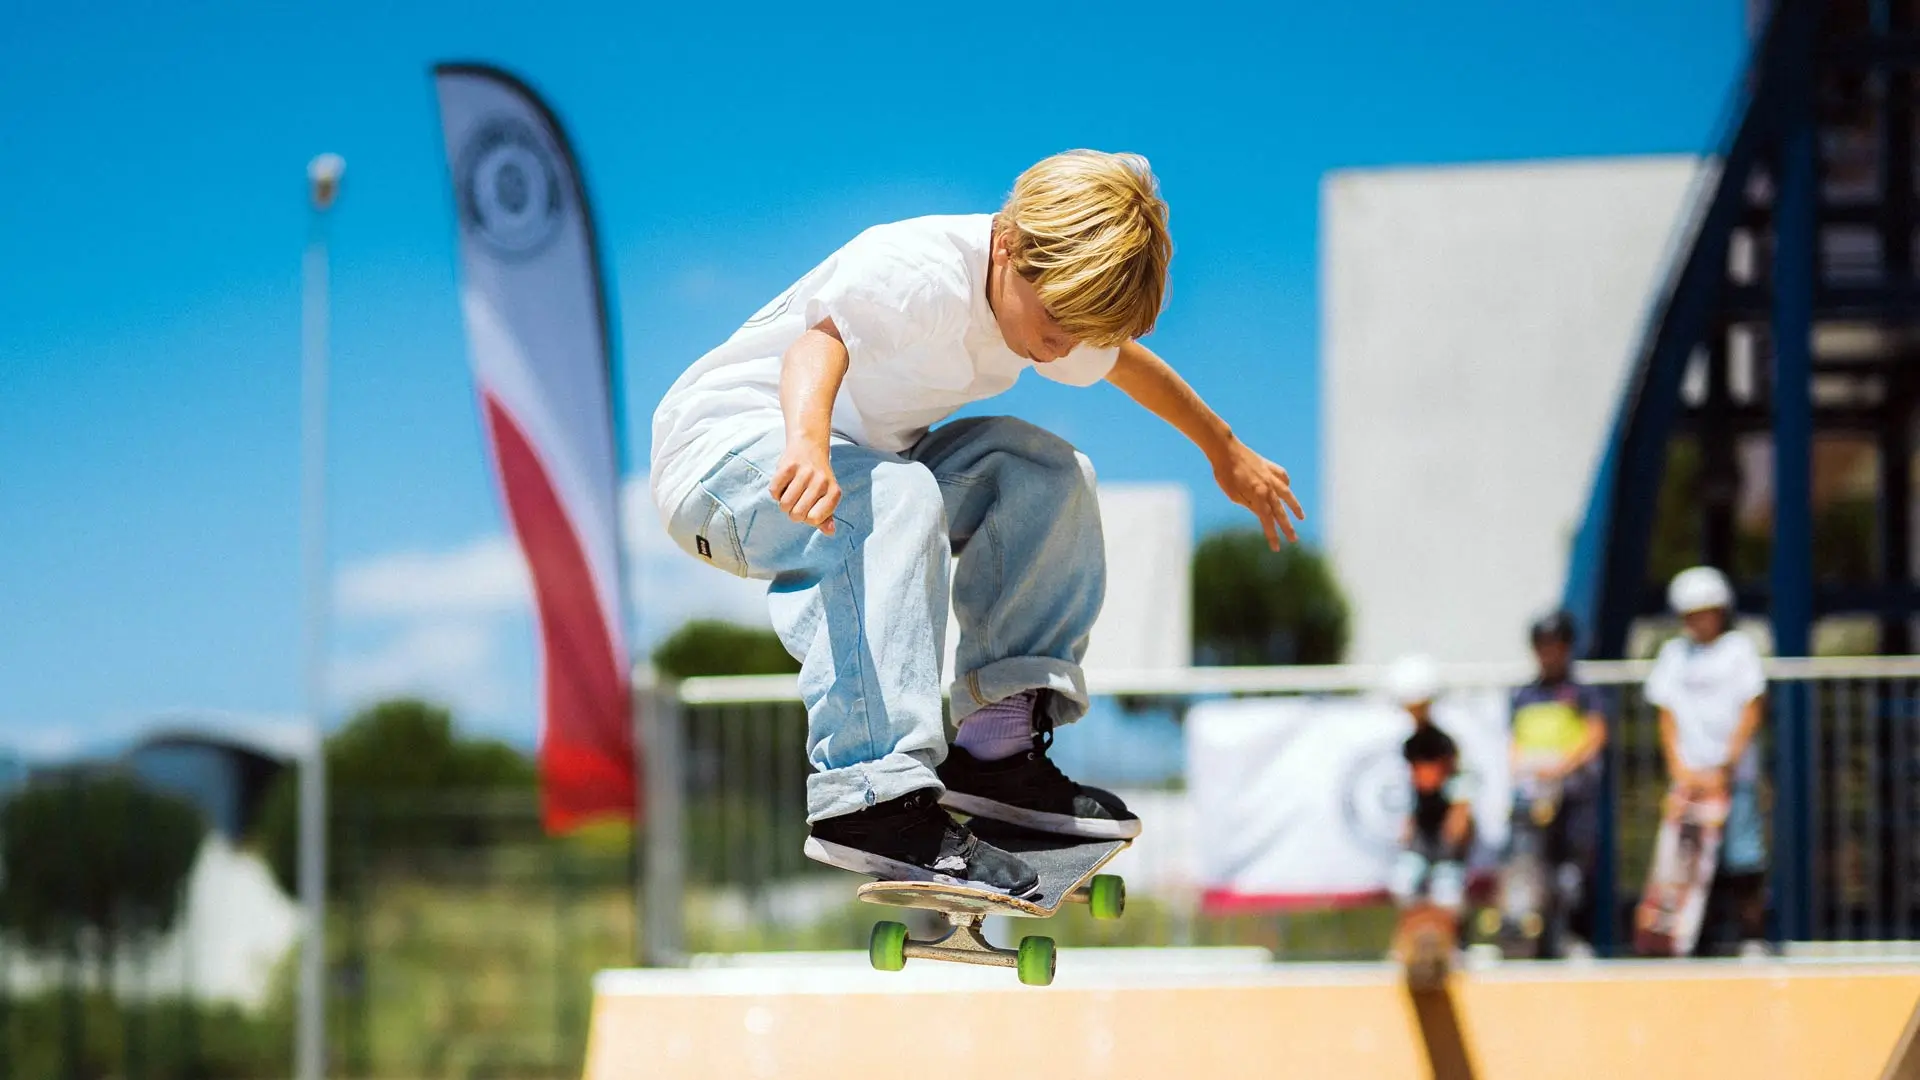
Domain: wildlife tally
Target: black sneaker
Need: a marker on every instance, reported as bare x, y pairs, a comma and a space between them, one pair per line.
1030, 790
911, 839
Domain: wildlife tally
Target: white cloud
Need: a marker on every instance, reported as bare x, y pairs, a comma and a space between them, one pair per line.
451, 660
50, 743
483, 577
42, 743
439, 621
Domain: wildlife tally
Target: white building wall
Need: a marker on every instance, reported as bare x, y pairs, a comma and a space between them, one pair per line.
1477, 325
1147, 619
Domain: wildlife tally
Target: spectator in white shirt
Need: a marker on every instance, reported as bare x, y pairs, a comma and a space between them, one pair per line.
1710, 689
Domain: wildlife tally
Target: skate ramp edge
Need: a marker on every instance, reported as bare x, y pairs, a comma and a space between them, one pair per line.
1226, 1014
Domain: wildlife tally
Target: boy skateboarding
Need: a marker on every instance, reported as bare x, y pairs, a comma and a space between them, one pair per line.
804, 451
1709, 686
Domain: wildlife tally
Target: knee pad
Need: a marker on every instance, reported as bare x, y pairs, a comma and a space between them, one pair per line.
1408, 871
1448, 889
1568, 884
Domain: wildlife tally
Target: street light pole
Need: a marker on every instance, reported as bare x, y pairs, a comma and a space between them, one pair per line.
310, 1049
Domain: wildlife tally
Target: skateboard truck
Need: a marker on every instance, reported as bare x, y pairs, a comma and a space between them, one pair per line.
889, 948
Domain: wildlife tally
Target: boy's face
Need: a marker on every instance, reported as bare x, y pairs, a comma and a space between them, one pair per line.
1704, 626
1024, 323
1553, 655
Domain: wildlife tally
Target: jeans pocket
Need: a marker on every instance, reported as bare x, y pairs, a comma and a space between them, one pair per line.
704, 527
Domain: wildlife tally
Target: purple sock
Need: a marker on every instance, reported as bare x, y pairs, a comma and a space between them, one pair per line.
1000, 730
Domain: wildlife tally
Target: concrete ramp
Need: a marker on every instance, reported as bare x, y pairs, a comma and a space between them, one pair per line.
1221, 1014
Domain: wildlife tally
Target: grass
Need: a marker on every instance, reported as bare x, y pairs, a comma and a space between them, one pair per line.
452, 978
86, 1034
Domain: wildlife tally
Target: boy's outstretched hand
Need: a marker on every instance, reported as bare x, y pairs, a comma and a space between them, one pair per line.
1246, 477
1260, 486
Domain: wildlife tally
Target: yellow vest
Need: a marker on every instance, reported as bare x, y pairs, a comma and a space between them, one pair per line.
1548, 727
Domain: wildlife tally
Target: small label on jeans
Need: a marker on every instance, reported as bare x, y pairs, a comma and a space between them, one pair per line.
706, 549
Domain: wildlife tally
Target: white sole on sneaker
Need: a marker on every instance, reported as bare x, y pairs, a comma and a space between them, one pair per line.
879, 866
1059, 824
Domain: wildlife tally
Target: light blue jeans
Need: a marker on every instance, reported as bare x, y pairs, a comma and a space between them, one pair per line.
1743, 845
865, 610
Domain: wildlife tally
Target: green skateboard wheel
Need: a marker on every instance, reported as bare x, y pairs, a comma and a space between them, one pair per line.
1106, 896
887, 948
1035, 963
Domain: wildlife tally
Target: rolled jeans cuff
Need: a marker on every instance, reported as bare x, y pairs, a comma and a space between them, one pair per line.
1004, 678
833, 792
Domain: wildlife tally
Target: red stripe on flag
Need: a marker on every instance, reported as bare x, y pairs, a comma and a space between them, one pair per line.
586, 748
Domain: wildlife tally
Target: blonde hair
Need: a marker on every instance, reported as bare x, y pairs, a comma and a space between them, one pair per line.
1089, 229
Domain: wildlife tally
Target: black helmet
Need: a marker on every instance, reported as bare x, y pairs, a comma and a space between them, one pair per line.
1558, 625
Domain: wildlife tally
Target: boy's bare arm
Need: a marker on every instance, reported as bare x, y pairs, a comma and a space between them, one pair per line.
1677, 772
1459, 820
1592, 741
1246, 477
1750, 716
810, 376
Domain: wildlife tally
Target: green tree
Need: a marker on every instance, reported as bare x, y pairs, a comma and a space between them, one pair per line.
101, 854
407, 746
396, 773
1252, 605
711, 647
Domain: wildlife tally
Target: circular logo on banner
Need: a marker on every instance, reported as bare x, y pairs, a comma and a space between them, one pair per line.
1375, 800
509, 185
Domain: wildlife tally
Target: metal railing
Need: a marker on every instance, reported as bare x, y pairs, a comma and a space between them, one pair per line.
727, 770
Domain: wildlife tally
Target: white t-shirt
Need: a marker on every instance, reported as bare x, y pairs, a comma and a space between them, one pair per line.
1706, 687
910, 301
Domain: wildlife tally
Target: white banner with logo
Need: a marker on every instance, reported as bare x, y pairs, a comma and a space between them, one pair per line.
1299, 801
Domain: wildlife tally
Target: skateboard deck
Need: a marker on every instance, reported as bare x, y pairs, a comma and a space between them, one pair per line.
1423, 942
1064, 863
1528, 900
1068, 868
1685, 855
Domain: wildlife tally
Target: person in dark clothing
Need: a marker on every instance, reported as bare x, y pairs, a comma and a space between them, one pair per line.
1558, 730
1439, 830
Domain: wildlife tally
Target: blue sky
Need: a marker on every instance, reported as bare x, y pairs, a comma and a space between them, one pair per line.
152, 216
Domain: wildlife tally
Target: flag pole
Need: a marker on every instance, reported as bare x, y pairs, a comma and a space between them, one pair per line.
310, 1050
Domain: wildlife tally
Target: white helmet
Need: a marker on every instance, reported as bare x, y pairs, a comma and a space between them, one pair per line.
1699, 588
1413, 679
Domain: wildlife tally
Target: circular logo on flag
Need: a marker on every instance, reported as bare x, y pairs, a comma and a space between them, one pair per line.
509, 187
1375, 800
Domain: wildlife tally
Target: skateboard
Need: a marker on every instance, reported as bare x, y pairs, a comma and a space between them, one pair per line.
1685, 855
1423, 942
1529, 901
1069, 873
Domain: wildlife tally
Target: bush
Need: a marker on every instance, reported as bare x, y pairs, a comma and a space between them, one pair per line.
60, 1034
1253, 605
709, 647
392, 773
